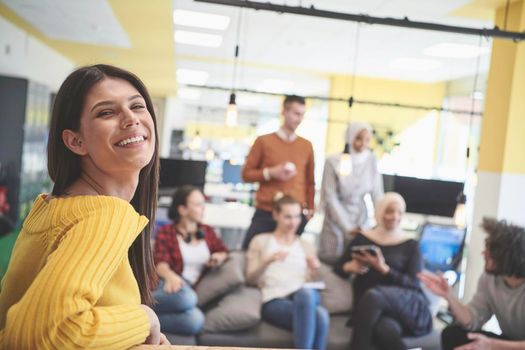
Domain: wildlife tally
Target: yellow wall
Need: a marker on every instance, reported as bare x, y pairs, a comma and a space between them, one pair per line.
150, 30
502, 137
381, 90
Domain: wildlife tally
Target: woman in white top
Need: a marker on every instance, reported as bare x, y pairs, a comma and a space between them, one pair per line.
183, 252
343, 194
279, 263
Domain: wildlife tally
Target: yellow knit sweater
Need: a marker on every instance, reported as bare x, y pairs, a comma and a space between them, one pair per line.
69, 284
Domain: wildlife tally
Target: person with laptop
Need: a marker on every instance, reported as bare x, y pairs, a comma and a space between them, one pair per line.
500, 292
388, 300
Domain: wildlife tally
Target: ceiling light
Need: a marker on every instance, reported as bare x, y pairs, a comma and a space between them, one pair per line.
190, 76
276, 85
188, 93
231, 112
451, 50
414, 64
200, 20
197, 39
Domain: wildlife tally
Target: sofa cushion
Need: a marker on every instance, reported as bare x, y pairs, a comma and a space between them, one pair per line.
176, 339
263, 335
219, 281
337, 296
238, 310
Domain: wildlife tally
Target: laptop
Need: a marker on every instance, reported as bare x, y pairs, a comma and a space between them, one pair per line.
441, 246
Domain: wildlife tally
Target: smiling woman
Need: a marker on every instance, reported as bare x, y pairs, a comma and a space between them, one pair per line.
81, 267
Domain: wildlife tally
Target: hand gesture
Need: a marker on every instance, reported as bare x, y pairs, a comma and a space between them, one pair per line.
282, 172
155, 335
375, 261
479, 342
279, 256
355, 266
173, 283
436, 283
217, 259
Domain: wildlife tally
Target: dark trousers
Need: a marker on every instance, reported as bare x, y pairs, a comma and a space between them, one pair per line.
262, 222
379, 323
455, 335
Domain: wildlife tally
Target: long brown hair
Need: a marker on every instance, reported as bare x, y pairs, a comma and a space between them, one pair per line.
64, 166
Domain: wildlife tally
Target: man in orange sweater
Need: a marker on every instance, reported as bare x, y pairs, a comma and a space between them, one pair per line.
283, 163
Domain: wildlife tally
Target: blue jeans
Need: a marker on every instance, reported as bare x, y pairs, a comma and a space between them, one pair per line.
301, 314
178, 312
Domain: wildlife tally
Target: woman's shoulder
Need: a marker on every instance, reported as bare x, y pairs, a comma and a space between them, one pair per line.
70, 211
261, 239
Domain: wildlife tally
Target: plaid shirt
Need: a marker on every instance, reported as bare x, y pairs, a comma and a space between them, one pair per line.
167, 247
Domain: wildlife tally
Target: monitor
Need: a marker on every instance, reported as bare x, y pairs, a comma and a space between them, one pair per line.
441, 246
179, 172
425, 196
231, 173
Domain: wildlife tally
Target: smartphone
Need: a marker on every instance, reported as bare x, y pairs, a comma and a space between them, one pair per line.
370, 248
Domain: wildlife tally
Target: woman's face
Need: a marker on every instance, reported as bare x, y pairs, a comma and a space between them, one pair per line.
194, 208
289, 218
116, 129
361, 141
392, 216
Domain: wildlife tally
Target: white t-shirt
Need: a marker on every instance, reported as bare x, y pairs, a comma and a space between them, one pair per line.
194, 258
282, 278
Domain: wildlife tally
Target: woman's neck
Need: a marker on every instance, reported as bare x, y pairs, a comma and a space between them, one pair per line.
383, 236
186, 227
284, 237
93, 181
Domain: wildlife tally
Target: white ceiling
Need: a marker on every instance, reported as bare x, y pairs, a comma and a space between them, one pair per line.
297, 50
304, 49
88, 22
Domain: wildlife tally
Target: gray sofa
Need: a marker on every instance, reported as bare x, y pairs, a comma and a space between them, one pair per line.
233, 313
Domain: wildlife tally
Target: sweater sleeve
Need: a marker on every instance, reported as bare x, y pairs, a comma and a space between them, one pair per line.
58, 310
479, 306
347, 256
310, 180
333, 206
252, 170
408, 277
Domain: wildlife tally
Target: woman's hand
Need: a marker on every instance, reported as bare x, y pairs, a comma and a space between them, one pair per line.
313, 263
375, 261
173, 283
164, 340
217, 259
154, 337
436, 283
355, 266
279, 256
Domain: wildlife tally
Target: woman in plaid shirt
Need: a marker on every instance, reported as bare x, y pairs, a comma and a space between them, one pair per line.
183, 251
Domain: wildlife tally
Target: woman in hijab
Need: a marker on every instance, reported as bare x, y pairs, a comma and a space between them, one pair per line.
343, 191
388, 301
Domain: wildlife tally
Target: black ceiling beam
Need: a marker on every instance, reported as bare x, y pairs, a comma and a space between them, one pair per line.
350, 101
405, 22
